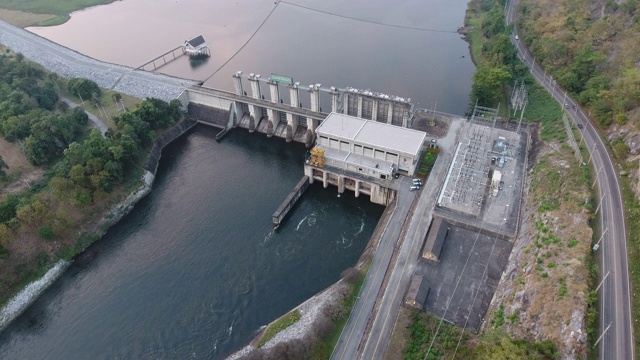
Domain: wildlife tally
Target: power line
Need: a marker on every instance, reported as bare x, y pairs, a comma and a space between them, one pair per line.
475, 296
245, 44
322, 12
369, 21
484, 274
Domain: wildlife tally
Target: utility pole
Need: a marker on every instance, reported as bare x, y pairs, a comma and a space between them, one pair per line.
591, 152
533, 65
601, 336
597, 246
598, 174
602, 282
521, 115
600, 204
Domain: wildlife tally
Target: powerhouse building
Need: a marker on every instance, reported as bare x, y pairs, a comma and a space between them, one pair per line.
363, 155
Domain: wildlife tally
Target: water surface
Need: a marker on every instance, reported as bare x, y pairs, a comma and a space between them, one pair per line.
432, 68
196, 268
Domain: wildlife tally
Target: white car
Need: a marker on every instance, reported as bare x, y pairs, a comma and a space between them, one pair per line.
517, 38
417, 182
414, 188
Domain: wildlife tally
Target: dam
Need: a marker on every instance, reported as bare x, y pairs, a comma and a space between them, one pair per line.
274, 116
366, 135
133, 264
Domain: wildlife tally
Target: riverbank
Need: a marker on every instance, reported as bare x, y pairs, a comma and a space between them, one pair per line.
23, 299
43, 12
314, 310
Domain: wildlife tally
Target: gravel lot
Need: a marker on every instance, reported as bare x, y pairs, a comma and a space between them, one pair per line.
69, 63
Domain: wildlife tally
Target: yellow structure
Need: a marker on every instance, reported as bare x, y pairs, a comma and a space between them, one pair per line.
317, 157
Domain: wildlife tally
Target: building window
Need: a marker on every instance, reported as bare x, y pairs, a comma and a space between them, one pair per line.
368, 151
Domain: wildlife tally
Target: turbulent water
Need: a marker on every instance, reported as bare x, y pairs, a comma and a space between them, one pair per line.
196, 269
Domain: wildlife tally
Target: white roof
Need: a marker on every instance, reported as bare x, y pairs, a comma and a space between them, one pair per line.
376, 134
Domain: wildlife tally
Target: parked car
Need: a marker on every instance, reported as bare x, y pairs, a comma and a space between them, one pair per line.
396, 175
414, 187
417, 182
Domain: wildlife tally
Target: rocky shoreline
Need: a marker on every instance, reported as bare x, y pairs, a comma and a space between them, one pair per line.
21, 301
69, 63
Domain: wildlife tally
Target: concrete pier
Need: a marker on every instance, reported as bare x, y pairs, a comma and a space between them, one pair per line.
164, 56
289, 201
273, 115
255, 111
292, 119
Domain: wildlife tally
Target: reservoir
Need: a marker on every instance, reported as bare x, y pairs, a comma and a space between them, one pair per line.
196, 269
433, 68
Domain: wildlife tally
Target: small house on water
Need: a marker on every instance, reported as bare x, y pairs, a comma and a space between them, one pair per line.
196, 47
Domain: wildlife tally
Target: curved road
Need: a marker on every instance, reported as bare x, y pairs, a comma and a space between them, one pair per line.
615, 305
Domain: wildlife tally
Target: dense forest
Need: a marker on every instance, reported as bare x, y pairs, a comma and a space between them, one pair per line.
86, 172
591, 49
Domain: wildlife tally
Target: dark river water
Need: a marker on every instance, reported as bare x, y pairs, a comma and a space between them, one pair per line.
196, 269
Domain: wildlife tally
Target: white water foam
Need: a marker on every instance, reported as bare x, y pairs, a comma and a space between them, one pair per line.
29, 294
361, 228
309, 219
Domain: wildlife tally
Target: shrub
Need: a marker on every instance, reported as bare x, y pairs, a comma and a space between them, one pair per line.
46, 233
620, 149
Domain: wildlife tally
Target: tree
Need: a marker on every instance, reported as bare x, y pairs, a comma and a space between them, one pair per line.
3, 165
84, 88
488, 83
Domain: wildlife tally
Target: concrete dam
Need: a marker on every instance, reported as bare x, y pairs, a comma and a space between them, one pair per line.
271, 115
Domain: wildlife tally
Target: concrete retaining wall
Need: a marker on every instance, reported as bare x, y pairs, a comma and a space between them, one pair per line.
165, 139
209, 115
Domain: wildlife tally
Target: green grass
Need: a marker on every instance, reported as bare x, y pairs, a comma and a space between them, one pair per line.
543, 108
279, 325
107, 104
428, 160
325, 347
475, 36
61, 9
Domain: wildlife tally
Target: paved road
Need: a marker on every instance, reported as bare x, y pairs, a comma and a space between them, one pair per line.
97, 123
348, 346
384, 320
368, 331
615, 303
